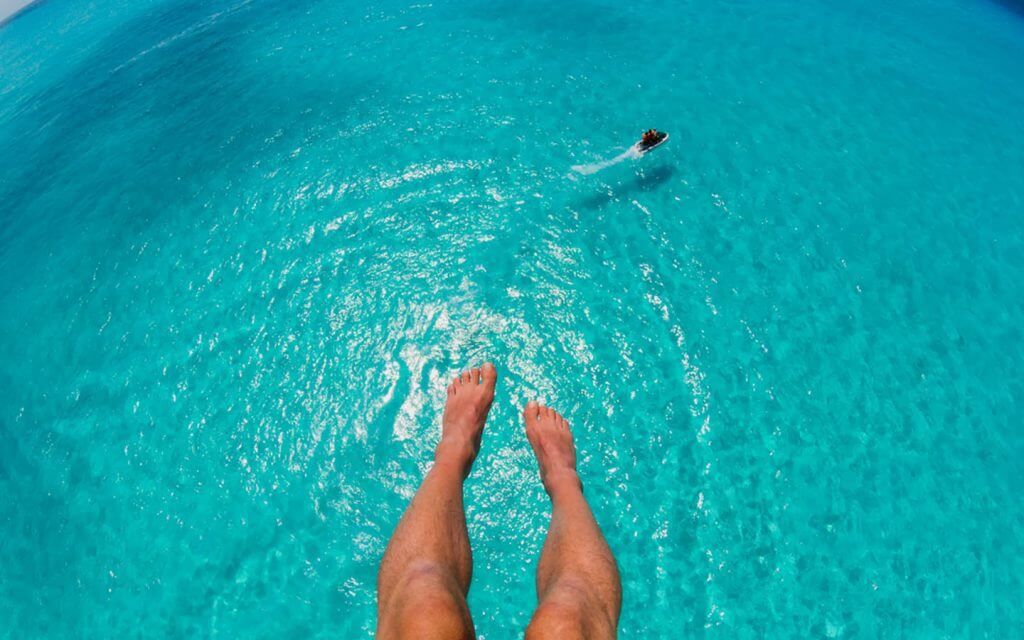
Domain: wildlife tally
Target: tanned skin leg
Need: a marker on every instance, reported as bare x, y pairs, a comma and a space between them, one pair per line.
425, 573
579, 592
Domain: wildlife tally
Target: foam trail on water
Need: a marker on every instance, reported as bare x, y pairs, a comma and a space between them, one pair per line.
594, 167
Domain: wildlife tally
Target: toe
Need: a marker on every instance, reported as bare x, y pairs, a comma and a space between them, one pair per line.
466, 377
489, 375
474, 376
530, 411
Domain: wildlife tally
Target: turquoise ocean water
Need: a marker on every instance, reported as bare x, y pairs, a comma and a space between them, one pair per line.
244, 245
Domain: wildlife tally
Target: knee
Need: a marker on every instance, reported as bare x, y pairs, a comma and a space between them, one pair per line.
429, 605
555, 621
439, 623
574, 608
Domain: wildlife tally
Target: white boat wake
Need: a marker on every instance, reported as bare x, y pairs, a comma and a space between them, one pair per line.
587, 169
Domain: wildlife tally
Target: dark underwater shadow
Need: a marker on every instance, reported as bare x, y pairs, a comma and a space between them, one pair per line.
1016, 6
645, 181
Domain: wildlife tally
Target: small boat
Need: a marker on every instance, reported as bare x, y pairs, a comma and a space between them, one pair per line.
643, 147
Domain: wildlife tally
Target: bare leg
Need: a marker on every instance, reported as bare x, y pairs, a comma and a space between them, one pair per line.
578, 588
425, 573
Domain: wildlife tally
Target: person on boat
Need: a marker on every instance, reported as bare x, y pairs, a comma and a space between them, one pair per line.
650, 137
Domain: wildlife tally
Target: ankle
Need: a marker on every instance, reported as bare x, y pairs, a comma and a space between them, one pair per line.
562, 481
455, 452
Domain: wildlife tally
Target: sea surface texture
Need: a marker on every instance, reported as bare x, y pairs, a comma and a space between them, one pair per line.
244, 245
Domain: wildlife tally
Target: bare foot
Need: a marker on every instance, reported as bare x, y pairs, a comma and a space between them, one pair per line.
551, 439
469, 399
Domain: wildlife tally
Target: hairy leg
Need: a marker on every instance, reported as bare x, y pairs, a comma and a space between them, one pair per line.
425, 573
579, 593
